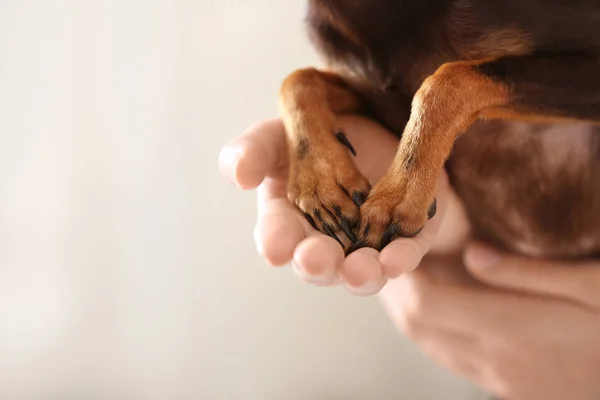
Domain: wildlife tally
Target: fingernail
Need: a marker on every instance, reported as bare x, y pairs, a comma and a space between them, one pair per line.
370, 289
481, 256
311, 278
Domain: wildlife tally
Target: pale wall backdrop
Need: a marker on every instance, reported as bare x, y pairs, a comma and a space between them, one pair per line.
127, 266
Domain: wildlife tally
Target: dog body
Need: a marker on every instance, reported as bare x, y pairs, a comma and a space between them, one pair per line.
431, 70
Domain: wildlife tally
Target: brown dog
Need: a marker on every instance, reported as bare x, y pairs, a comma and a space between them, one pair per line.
431, 70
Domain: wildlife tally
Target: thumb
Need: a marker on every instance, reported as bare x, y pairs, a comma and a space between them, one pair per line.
575, 281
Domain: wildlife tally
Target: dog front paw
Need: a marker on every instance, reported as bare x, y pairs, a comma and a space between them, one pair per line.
328, 188
395, 208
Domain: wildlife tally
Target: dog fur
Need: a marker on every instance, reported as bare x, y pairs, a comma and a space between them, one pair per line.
505, 95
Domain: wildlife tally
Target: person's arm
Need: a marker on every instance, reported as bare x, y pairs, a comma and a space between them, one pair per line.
524, 329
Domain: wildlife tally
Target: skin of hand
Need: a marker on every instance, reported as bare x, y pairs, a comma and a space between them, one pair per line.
258, 159
519, 328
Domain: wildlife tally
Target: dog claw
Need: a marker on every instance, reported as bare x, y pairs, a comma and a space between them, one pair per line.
344, 140
389, 235
345, 225
359, 198
432, 209
311, 221
331, 233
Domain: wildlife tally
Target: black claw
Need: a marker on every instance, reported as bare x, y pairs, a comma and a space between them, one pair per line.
343, 222
338, 211
327, 229
346, 227
311, 220
366, 230
432, 209
317, 214
359, 198
389, 235
331, 233
344, 140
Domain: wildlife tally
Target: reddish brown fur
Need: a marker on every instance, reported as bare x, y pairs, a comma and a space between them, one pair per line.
438, 117
455, 61
309, 101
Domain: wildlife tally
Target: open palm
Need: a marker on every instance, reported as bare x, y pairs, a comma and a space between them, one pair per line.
258, 158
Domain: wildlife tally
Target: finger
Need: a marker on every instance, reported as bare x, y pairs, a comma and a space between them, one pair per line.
405, 254
277, 233
579, 282
362, 274
258, 152
280, 227
282, 234
317, 260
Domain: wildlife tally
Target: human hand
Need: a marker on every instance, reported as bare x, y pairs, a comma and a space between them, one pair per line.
532, 332
258, 159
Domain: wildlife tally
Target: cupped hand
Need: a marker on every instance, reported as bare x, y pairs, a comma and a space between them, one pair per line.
258, 159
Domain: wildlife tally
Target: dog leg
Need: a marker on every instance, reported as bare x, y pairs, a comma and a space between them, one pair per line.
535, 88
323, 179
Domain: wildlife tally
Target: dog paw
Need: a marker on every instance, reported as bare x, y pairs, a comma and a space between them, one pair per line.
392, 210
327, 187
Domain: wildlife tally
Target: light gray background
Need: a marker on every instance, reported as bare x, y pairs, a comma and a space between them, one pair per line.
127, 266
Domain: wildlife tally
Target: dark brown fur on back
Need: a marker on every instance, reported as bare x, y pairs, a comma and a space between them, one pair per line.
529, 188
